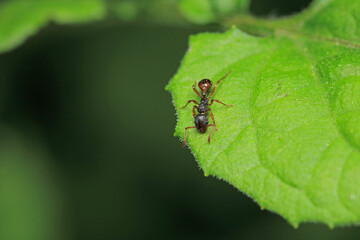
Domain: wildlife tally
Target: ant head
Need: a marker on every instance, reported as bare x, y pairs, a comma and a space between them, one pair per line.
205, 85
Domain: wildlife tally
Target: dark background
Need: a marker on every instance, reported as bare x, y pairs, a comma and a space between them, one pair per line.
87, 142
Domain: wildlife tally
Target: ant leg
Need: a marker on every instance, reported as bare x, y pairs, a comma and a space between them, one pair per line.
184, 142
212, 92
194, 113
190, 102
218, 101
212, 117
195, 90
211, 131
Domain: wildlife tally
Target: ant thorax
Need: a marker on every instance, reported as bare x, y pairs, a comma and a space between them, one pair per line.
203, 105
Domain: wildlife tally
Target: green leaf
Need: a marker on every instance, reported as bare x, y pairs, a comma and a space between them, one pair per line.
292, 139
126, 10
207, 11
20, 19
197, 11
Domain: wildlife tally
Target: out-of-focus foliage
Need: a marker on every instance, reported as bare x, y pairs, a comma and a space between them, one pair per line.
179, 12
126, 10
199, 11
165, 12
28, 202
206, 11
20, 19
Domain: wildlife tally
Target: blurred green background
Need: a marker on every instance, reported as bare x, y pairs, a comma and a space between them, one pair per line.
87, 148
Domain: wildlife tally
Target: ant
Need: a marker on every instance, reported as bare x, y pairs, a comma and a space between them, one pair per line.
201, 119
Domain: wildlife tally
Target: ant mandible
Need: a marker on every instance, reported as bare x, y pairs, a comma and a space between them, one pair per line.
201, 120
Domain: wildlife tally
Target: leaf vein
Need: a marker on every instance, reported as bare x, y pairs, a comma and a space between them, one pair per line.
331, 113
262, 65
337, 189
323, 94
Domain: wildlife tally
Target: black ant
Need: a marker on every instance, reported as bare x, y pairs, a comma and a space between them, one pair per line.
201, 120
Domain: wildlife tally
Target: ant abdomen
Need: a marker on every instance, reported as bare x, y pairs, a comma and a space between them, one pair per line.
201, 123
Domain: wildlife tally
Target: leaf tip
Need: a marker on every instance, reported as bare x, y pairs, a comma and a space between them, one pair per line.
206, 174
262, 208
295, 225
331, 226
